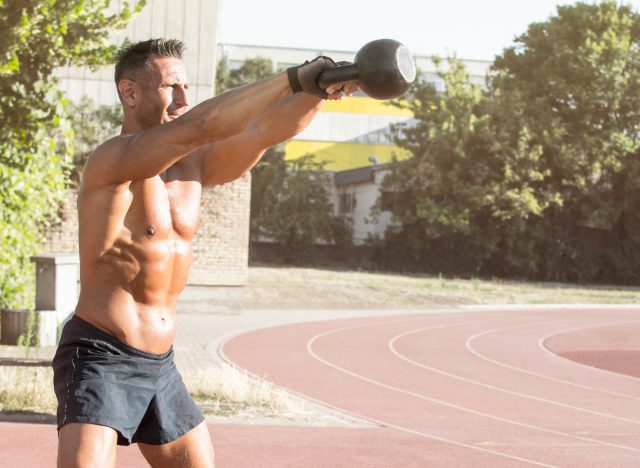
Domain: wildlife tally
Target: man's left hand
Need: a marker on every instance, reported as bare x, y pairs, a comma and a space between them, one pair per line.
338, 91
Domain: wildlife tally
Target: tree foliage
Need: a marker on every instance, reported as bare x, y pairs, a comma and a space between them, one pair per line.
290, 205
92, 125
253, 69
535, 175
36, 137
576, 82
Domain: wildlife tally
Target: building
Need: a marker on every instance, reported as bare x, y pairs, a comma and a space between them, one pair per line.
354, 195
192, 21
351, 137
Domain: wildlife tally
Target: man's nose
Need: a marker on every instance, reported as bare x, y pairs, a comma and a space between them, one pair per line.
181, 96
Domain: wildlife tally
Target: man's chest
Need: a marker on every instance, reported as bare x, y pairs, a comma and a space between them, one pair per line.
163, 209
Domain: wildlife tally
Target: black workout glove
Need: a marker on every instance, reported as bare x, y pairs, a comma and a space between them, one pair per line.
305, 77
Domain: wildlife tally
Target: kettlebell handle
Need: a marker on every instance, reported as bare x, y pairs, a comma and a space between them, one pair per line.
338, 74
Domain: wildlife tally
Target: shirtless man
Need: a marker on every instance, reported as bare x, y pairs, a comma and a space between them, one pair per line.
138, 207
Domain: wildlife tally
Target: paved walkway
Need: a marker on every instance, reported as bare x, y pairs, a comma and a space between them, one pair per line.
197, 340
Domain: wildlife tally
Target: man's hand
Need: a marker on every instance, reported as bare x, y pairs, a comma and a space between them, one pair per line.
340, 90
305, 78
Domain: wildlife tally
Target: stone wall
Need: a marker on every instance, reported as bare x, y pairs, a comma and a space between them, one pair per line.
221, 245
63, 238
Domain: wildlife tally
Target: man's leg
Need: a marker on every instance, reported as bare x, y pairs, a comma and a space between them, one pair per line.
83, 445
194, 449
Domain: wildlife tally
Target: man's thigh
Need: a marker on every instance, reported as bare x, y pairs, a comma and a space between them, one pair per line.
82, 445
194, 449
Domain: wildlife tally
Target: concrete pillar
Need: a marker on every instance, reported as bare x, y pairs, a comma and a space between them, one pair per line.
56, 294
44, 331
56, 297
56, 282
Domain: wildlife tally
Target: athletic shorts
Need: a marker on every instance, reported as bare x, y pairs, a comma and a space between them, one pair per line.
101, 380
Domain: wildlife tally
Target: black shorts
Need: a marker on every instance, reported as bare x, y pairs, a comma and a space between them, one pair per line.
101, 380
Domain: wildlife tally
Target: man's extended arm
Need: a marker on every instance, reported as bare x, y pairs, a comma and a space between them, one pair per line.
150, 152
228, 159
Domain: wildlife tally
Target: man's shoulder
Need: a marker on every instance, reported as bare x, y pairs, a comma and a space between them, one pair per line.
112, 146
98, 167
90, 188
119, 161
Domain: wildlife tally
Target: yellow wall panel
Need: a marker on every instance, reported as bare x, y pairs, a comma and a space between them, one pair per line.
364, 105
343, 156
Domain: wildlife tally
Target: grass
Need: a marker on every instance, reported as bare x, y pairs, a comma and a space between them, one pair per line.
221, 391
229, 391
316, 288
27, 390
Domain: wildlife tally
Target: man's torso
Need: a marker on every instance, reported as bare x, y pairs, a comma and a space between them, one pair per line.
135, 253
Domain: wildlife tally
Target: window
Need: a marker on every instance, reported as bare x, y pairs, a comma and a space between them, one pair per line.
347, 203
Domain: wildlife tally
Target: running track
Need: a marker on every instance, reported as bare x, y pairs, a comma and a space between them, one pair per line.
510, 388
535, 387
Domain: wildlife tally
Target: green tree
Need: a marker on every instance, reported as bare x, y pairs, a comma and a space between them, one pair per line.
37, 37
92, 125
574, 82
253, 69
290, 205
461, 183
537, 174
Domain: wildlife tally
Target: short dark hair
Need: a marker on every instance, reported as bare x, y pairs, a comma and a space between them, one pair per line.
134, 58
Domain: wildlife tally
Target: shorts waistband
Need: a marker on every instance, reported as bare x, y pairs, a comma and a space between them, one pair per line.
93, 332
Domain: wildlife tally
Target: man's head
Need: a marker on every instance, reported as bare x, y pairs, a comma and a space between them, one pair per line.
152, 82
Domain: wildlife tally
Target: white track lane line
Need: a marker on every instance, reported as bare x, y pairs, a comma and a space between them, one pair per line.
402, 357
469, 346
394, 426
444, 403
230, 336
549, 352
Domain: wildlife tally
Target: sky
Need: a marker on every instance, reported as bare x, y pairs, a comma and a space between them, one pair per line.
470, 29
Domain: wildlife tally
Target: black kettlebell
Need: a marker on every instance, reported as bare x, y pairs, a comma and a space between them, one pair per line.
384, 69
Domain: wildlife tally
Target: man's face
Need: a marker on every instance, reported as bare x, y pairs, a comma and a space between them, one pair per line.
164, 93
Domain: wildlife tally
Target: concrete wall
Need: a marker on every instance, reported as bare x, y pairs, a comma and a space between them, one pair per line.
192, 21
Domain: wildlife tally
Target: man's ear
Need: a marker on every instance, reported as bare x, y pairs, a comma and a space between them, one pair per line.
128, 91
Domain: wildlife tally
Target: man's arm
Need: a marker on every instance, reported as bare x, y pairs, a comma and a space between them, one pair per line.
150, 152
229, 159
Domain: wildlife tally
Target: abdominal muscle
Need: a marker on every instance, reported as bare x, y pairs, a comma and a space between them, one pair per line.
131, 292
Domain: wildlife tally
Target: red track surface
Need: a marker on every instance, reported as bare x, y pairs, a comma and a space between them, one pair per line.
469, 389
516, 388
